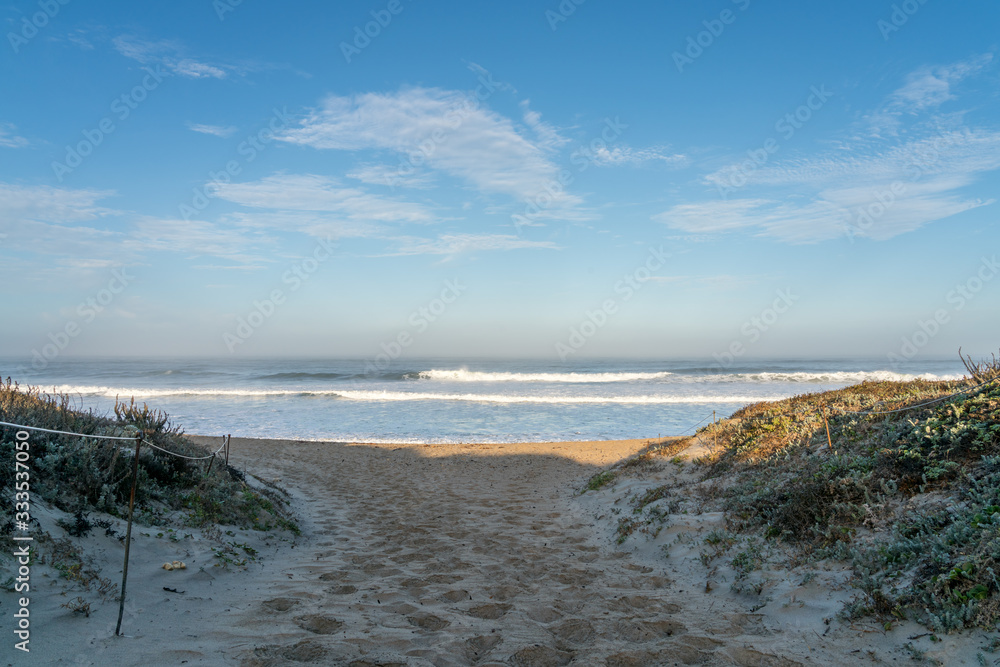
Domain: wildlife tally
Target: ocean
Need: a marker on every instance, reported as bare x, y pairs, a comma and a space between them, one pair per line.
445, 400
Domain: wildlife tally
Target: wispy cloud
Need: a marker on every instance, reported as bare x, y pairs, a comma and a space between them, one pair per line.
308, 192
313, 223
925, 88
621, 155
43, 203
877, 188
454, 244
548, 137
82, 235
56, 221
9, 137
443, 130
196, 238
171, 55
215, 130
383, 174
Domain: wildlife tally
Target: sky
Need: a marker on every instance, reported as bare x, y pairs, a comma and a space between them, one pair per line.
727, 179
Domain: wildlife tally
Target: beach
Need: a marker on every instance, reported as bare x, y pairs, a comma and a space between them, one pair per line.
458, 554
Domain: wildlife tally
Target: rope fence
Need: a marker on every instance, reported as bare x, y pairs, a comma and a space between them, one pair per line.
82, 435
139, 441
225, 440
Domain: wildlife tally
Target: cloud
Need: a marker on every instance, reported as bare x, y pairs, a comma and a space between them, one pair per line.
548, 137
64, 223
170, 55
948, 153
876, 188
620, 155
51, 220
78, 37
9, 137
215, 130
711, 216
316, 224
196, 70
444, 130
852, 204
308, 192
197, 238
44, 203
925, 88
400, 176
454, 244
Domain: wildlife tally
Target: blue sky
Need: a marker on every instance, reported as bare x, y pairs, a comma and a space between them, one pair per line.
651, 180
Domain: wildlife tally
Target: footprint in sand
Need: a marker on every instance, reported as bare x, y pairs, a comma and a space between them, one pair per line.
540, 656
541, 614
280, 604
307, 650
342, 590
428, 622
641, 631
574, 631
680, 655
318, 624
455, 596
489, 612
476, 648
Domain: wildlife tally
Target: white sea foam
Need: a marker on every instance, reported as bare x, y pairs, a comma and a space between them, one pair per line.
820, 377
829, 377
462, 375
508, 398
375, 395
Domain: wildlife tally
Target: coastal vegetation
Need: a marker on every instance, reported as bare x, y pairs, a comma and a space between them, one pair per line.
899, 480
80, 475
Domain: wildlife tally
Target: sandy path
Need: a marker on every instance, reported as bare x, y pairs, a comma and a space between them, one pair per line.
458, 555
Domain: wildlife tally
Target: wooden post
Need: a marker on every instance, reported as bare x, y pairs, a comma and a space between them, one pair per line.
128, 534
715, 431
229, 438
829, 441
